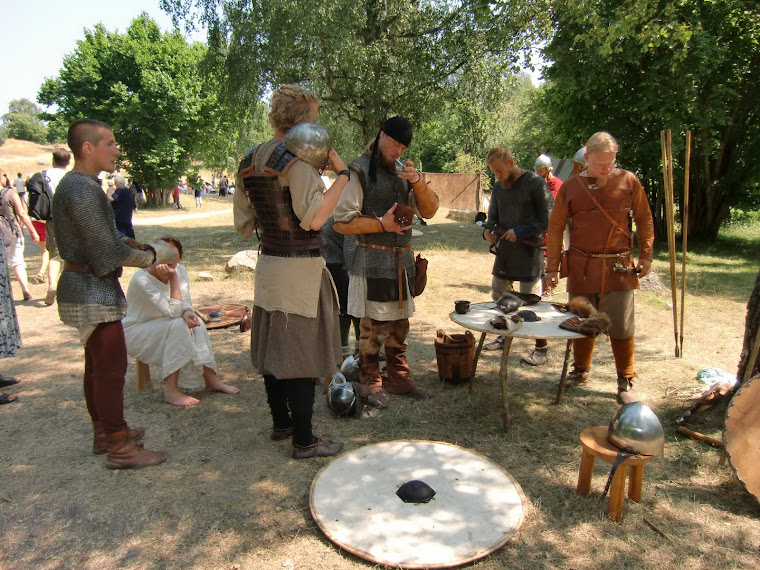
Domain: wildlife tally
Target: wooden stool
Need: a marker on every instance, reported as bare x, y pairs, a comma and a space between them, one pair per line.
595, 444
142, 375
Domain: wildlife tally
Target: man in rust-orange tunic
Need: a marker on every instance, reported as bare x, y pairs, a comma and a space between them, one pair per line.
601, 205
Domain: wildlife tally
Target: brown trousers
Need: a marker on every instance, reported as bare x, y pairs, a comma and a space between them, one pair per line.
373, 335
105, 365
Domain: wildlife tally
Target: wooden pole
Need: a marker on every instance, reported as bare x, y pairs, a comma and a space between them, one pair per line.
684, 234
672, 246
667, 168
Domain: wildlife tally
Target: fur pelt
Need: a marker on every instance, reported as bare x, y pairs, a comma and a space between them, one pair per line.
595, 325
581, 307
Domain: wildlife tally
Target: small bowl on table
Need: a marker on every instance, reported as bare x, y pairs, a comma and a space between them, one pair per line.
462, 307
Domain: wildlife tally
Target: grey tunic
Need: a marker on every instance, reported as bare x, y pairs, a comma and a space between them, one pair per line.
524, 207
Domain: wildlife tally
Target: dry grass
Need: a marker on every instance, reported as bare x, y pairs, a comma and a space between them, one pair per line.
228, 497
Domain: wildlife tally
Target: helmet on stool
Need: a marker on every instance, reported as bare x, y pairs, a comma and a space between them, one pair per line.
636, 429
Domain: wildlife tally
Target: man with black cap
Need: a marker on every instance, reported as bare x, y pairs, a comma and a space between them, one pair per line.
378, 205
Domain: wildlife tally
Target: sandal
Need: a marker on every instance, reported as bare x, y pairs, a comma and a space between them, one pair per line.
37, 279
50, 297
7, 398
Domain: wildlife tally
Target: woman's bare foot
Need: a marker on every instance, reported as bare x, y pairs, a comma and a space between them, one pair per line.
213, 384
216, 385
177, 398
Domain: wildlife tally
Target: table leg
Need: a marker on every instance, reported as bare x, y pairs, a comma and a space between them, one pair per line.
504, 372
561, 387
475, 362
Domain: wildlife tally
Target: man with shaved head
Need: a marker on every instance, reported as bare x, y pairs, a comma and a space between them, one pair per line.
89, 294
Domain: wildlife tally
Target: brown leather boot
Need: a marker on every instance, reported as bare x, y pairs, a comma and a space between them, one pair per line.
370, 382
578, 376
99, 445
320, 448
123, 453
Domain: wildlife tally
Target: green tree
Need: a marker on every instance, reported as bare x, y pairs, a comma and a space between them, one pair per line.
367, 60
146, 85
637, 67
22, 121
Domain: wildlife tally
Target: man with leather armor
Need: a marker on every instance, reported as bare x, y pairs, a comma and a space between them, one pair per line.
601, 204
295, 338
382, 273
89, 294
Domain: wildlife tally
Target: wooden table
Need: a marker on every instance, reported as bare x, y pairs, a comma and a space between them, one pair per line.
478, 318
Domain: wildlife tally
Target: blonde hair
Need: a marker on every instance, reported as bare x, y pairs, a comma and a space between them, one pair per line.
601, 142
501, 153
291, 104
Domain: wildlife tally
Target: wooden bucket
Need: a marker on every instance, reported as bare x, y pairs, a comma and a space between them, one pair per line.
455, 354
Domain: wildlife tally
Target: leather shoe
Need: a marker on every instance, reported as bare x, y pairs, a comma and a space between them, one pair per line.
496, 344
537, 357
625, 392
281, 434
417, 393
8, 381
374, 399
320, 448
577, 377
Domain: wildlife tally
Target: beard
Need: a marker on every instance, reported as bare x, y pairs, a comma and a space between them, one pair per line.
385, 162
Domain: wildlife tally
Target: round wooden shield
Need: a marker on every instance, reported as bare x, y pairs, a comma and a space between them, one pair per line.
741, 435
476, 509
221, 316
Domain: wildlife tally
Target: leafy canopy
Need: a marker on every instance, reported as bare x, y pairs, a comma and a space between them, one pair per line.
367, 60
22, 121
637, 67
145, 84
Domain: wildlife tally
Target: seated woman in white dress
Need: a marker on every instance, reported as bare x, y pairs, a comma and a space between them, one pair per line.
162, 329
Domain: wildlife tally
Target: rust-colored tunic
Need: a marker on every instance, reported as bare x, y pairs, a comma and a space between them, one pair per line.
591, 232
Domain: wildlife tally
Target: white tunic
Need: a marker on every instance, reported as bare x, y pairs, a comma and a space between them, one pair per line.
157, 334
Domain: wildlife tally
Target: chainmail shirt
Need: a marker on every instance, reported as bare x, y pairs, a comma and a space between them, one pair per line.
85, 232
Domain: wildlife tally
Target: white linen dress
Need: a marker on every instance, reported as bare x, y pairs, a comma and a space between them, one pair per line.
157, 334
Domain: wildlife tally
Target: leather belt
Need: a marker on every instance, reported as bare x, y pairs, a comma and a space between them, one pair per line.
600, 255
398, 251
384, 247
87, 268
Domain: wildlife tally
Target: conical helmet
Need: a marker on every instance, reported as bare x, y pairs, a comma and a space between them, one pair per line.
636, 429
342, 397
543, 161
580, 156
310, 142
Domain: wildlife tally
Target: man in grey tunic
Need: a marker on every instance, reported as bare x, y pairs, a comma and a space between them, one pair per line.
89, 294
519, 208
382, 272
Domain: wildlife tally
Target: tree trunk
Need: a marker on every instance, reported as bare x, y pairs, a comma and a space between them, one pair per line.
751, 329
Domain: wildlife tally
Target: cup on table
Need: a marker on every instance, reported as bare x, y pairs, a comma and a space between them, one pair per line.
462, 307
